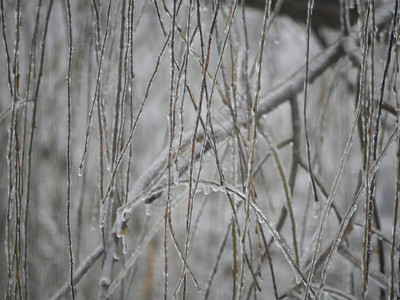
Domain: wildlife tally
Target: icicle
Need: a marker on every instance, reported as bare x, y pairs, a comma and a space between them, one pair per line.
148, 210
80, 169
120, 221
175, 177
217, 189
124, 246
277, 40
316, 206
206, 189
102, 214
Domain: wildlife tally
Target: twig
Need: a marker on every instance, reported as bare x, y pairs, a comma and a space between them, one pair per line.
79, 272
68, 154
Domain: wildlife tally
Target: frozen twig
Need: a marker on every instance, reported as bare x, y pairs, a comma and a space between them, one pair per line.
79, 272
68, 154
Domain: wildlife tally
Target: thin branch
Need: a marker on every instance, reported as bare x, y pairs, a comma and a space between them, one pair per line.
68, 154
79, 273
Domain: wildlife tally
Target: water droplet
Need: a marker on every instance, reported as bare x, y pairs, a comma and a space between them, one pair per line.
80, 170
297, 277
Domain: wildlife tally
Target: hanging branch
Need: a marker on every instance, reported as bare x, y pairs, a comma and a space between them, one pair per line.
71, 258
167, 214
111, 247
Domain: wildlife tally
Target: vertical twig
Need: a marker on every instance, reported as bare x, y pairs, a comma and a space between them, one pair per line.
111, 241
6, 47
34, 117
30, 75
250, 188
306, 83
378, 119
71, 258
167, 214
12, 239
370, 186
397, 191
100, 55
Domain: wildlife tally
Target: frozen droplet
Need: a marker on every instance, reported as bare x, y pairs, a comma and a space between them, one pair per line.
297, 277
80, 170
206, 190
216, 188
186, 186
120, 221
315, 209
102, 214
236, 198
175, 177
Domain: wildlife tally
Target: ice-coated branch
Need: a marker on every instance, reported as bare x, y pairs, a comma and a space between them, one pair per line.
79, 273
143, 188
279, 95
